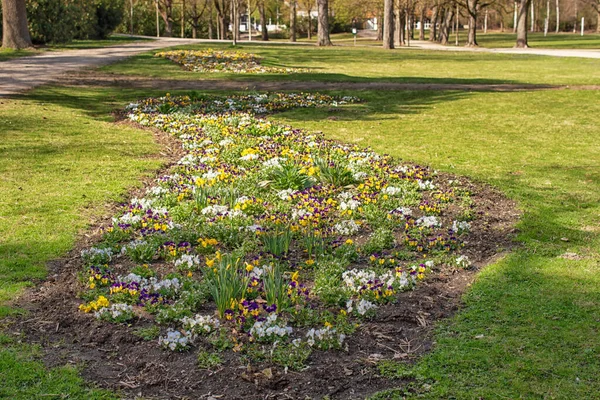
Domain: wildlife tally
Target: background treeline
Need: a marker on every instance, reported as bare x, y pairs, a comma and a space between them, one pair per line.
60, 21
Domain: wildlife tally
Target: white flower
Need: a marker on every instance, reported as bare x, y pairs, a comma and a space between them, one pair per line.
214, 210
200, 324
187, 261
347, 227
461, 226
392, 190
286, 194
174, 340
425, 185
429, 222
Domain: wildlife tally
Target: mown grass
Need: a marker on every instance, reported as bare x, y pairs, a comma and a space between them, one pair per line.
364, 64
62, 161
537, 40
529, 327
7, 54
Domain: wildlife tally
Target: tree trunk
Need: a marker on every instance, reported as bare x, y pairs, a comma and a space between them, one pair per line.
323, 25
168, 32
446, 26
485, 21
292, 20
422, 24
388, 24
472, 34
515, 21
433, 24
598, 19
263, 22
532, 18
557, 16
210, 19
380, 27
398, 26
309, 24
522, 24
222, 27
15, 34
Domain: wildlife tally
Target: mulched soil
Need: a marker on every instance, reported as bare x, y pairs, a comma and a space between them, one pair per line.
94, 78
112, 357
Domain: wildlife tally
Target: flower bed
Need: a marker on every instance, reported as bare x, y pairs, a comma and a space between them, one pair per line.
223, 61
269, 240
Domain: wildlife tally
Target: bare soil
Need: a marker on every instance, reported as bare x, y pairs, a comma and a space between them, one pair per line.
94, 78
111, 356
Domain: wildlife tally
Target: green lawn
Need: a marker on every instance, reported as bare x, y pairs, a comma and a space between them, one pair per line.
529, 327
537, 40
7, 54
62, 161
364, 64
537, 312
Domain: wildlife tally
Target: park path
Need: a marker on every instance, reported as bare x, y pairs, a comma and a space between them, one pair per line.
23, 73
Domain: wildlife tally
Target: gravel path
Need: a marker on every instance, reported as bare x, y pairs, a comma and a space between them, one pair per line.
24, 73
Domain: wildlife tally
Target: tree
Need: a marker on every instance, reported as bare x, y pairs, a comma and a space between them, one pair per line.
522, 24
165, 8
308, 7
323, 38
222, 7
195, 11
15, 33
263, 20
292, 20
388, 24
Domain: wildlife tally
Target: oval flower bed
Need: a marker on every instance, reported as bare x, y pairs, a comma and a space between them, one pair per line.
233, 62
268, 240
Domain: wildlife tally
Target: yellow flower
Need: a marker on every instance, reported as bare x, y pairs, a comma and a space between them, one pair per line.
349, 241
295, 276
249, 267
328, 325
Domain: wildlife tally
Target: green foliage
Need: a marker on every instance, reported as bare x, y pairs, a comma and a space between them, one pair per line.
277, 240
289, 176
291, 356
148, 333
228, 283
328, 282
208, 360
381, 239
276, 287
334, 173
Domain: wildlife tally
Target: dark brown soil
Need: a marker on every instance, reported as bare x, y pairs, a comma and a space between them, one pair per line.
112, 357
93, 78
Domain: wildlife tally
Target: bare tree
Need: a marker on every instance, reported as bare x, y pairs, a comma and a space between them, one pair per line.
223, 10
263, 21
446, 25
522, 24
422, 21
165, 8
435, 15
195, 11
323, 24
308, 7
388, 24
292, 20
15, 34
557, 16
